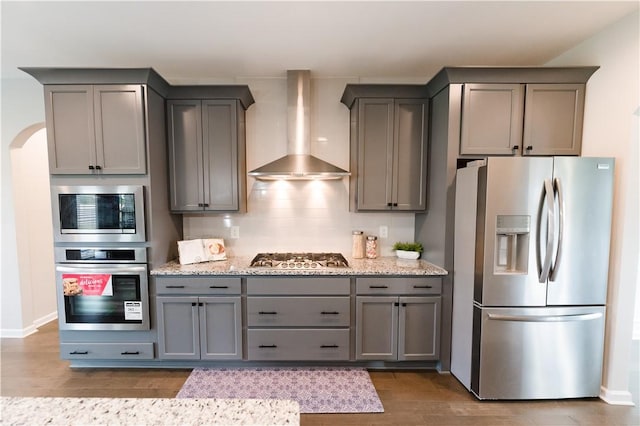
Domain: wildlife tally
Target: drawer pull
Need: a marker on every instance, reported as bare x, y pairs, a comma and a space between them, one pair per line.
329, 346
130, 353
79, 353
267, 313
422, 286
175, 286
218, 286
267, 346
330, 313
378, 286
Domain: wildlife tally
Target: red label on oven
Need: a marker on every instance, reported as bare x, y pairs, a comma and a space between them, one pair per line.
87, 285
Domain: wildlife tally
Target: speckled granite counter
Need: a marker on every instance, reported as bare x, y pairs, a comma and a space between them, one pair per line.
147, 411
391, 266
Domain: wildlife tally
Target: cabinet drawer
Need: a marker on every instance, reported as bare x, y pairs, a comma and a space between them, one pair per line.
298, 311
398, 285
296, 285
106, 351
298, 344
198, 285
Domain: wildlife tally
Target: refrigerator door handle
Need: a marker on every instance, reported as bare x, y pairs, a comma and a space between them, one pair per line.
545, 266
545, 318
557, 187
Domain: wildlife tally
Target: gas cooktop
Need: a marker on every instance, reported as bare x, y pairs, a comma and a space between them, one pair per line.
299, 260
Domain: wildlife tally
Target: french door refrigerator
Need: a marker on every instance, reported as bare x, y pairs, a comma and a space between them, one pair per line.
531, 261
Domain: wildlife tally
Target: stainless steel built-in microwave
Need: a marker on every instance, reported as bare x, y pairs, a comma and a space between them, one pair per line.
98, 213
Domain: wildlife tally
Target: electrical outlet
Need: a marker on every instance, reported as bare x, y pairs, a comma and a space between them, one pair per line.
235, 232
384, 232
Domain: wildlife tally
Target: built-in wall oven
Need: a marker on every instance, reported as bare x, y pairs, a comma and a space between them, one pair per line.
101, 257
102, 288
98, 213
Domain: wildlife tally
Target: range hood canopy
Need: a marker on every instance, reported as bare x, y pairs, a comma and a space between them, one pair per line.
298, 164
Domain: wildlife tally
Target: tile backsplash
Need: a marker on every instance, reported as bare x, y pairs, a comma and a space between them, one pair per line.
298, 215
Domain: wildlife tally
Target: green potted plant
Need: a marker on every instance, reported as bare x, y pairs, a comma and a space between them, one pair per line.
408, 250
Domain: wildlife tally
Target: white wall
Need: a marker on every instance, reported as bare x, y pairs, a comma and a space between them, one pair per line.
22, 106
298, 216
30, 172
610, 129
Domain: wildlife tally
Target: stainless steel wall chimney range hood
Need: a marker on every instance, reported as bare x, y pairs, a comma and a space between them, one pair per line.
298, 164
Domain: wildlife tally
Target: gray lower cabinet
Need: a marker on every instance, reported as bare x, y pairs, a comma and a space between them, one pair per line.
199, 317
522, 119
388, 154
298, 319
207, 328
206, 155
394, 323
96, 129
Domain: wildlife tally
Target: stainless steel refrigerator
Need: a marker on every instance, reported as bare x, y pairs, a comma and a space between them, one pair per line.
531, 267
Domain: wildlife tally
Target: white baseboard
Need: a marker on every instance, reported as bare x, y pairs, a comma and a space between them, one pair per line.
20, 333
612, 397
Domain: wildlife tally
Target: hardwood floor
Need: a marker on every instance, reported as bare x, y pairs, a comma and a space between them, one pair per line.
31, 367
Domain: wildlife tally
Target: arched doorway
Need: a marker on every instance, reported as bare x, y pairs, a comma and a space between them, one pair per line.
34, 234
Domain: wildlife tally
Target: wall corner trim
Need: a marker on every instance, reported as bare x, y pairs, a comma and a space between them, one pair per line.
616, 397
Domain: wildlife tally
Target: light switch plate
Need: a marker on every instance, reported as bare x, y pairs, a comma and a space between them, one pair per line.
235, 232
383, 231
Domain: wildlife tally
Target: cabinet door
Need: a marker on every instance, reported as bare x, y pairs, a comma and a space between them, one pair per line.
375, 154
377, 328
220, 328
419, 328
492, 119
219, 133
120, 130
409, 188
70, 128
178, 328
553, 119
185, 155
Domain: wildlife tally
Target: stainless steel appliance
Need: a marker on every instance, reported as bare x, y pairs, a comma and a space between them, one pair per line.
530, 276
102, 288
98, 213
300, 260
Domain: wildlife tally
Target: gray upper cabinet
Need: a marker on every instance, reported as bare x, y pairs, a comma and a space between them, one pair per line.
388, 148
522, 119
491, 119
203, 155
206, 140
95, 129
553, 115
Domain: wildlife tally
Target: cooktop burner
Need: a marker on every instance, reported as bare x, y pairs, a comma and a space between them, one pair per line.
300, 260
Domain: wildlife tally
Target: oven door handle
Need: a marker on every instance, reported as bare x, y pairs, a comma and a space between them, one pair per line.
102, 269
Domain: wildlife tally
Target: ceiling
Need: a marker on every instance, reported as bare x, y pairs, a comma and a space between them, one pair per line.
215, 41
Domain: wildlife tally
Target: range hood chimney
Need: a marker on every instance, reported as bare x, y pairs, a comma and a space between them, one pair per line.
298, 164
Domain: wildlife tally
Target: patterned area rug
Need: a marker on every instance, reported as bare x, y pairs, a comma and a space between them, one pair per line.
317, 390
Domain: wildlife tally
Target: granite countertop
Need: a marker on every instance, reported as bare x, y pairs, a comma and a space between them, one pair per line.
147, 411
361, 267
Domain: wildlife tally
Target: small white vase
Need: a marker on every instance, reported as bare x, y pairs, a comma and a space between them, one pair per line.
403, 254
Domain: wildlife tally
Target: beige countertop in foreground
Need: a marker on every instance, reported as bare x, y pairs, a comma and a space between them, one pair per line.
391, 266
147, 411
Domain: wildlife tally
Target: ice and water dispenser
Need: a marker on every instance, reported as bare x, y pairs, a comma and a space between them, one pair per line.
512, 244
